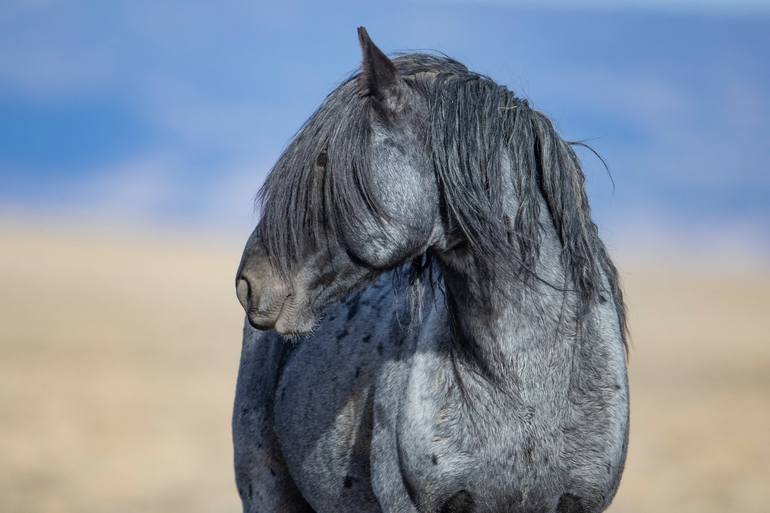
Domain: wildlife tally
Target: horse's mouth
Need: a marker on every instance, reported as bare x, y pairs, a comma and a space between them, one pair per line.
291, 322
259, 321
295, 326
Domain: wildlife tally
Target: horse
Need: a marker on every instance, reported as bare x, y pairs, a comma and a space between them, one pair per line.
432, 321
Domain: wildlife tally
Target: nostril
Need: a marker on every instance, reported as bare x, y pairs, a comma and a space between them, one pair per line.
262, 297
243, 291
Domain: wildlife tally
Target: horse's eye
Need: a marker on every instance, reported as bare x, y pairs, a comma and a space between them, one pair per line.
320, 161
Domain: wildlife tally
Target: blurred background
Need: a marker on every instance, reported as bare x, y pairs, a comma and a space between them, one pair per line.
134, 136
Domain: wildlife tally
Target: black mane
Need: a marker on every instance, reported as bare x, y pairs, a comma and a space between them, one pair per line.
475, 124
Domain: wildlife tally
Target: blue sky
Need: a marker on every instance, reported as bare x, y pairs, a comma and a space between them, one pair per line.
172, 112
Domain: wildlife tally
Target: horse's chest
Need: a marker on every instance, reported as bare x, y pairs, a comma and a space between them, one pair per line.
508, 454
475, 450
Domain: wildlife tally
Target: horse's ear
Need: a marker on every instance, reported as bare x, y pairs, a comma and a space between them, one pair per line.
379, 77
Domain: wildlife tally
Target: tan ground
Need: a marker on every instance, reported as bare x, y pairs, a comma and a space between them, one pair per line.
118, 358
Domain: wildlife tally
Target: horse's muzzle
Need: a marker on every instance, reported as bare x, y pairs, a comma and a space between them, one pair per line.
262, 300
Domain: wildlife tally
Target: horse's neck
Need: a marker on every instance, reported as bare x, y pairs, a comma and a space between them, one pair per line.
524, 324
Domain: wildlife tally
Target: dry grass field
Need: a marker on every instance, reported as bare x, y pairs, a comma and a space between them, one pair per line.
118, 357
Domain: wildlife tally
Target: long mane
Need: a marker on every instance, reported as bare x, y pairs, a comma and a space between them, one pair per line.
475, 125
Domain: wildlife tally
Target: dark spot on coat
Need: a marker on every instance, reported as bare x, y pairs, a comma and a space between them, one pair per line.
366, 339
434, 459
528, 449
396, 331
353, 305
380, 349
569, 503
461, 502
358, 371
342, 334
508, 229
272, 472
348, 482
